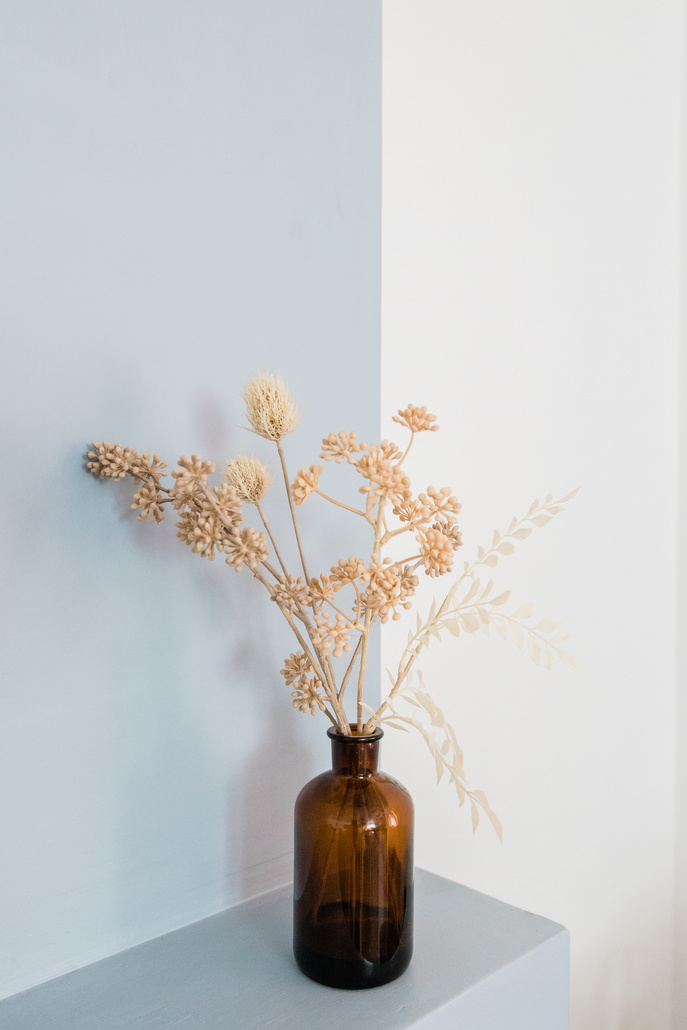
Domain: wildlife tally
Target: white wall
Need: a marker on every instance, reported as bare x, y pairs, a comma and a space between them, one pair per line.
530, 284
681, 567
191, 193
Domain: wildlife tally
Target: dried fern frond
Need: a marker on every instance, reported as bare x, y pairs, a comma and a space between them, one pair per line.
210, 521
502, 543
440, 739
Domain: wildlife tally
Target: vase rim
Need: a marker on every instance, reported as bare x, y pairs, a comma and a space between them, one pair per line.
368, 738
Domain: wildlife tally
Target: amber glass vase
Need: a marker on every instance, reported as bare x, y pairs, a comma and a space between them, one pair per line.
353, 875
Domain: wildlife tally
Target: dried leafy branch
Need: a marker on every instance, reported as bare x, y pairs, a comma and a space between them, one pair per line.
331, 614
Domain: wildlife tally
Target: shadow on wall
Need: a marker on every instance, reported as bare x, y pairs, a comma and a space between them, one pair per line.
207, 761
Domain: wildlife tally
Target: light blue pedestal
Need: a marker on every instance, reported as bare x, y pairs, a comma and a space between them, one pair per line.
478, 965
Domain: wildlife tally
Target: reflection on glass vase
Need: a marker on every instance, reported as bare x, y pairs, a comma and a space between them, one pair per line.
353, 870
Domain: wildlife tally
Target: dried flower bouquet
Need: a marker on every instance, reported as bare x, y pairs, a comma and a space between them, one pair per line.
379, 588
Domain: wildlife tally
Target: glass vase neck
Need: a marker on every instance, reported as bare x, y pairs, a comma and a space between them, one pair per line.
355, 755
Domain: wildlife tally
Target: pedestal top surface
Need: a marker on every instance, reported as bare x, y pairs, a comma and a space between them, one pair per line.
236, 971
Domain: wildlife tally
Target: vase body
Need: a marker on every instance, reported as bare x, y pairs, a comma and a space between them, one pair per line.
353, 870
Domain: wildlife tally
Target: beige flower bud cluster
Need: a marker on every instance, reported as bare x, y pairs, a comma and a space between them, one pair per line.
330, 612
305, 482
110, 461
383, 588
386, 480
209, 519
299, 672
191, 474
334, 634
418, 420
436, 550
340, 447
291, 594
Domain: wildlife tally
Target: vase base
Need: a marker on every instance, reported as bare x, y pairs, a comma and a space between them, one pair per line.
351, 974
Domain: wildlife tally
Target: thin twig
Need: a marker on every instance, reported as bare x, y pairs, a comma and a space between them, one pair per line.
273, 541
349, 670
368, 620
280, 450
326, 662
410, 444
340, 504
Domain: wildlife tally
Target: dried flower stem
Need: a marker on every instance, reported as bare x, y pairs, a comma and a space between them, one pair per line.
403, 673
402, 529
210, 521
340, 504
368, 621
410, 444
265, 523
280, 451
331, 692
349, 670
220, 514
326, 660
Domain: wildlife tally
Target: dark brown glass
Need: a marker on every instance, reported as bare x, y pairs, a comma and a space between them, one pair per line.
353, 875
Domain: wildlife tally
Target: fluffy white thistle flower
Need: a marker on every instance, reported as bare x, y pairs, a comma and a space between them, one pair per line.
269, 407
248, 477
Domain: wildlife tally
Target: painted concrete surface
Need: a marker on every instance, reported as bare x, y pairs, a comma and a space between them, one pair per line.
478, 964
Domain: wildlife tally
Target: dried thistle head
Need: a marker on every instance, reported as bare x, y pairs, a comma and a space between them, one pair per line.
269, 407
248, 477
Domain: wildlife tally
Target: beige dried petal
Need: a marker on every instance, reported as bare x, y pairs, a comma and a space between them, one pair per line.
305, 482
418, 420
269, 407
248, 477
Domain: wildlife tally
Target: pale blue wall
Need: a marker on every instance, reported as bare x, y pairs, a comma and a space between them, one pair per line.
192, 193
